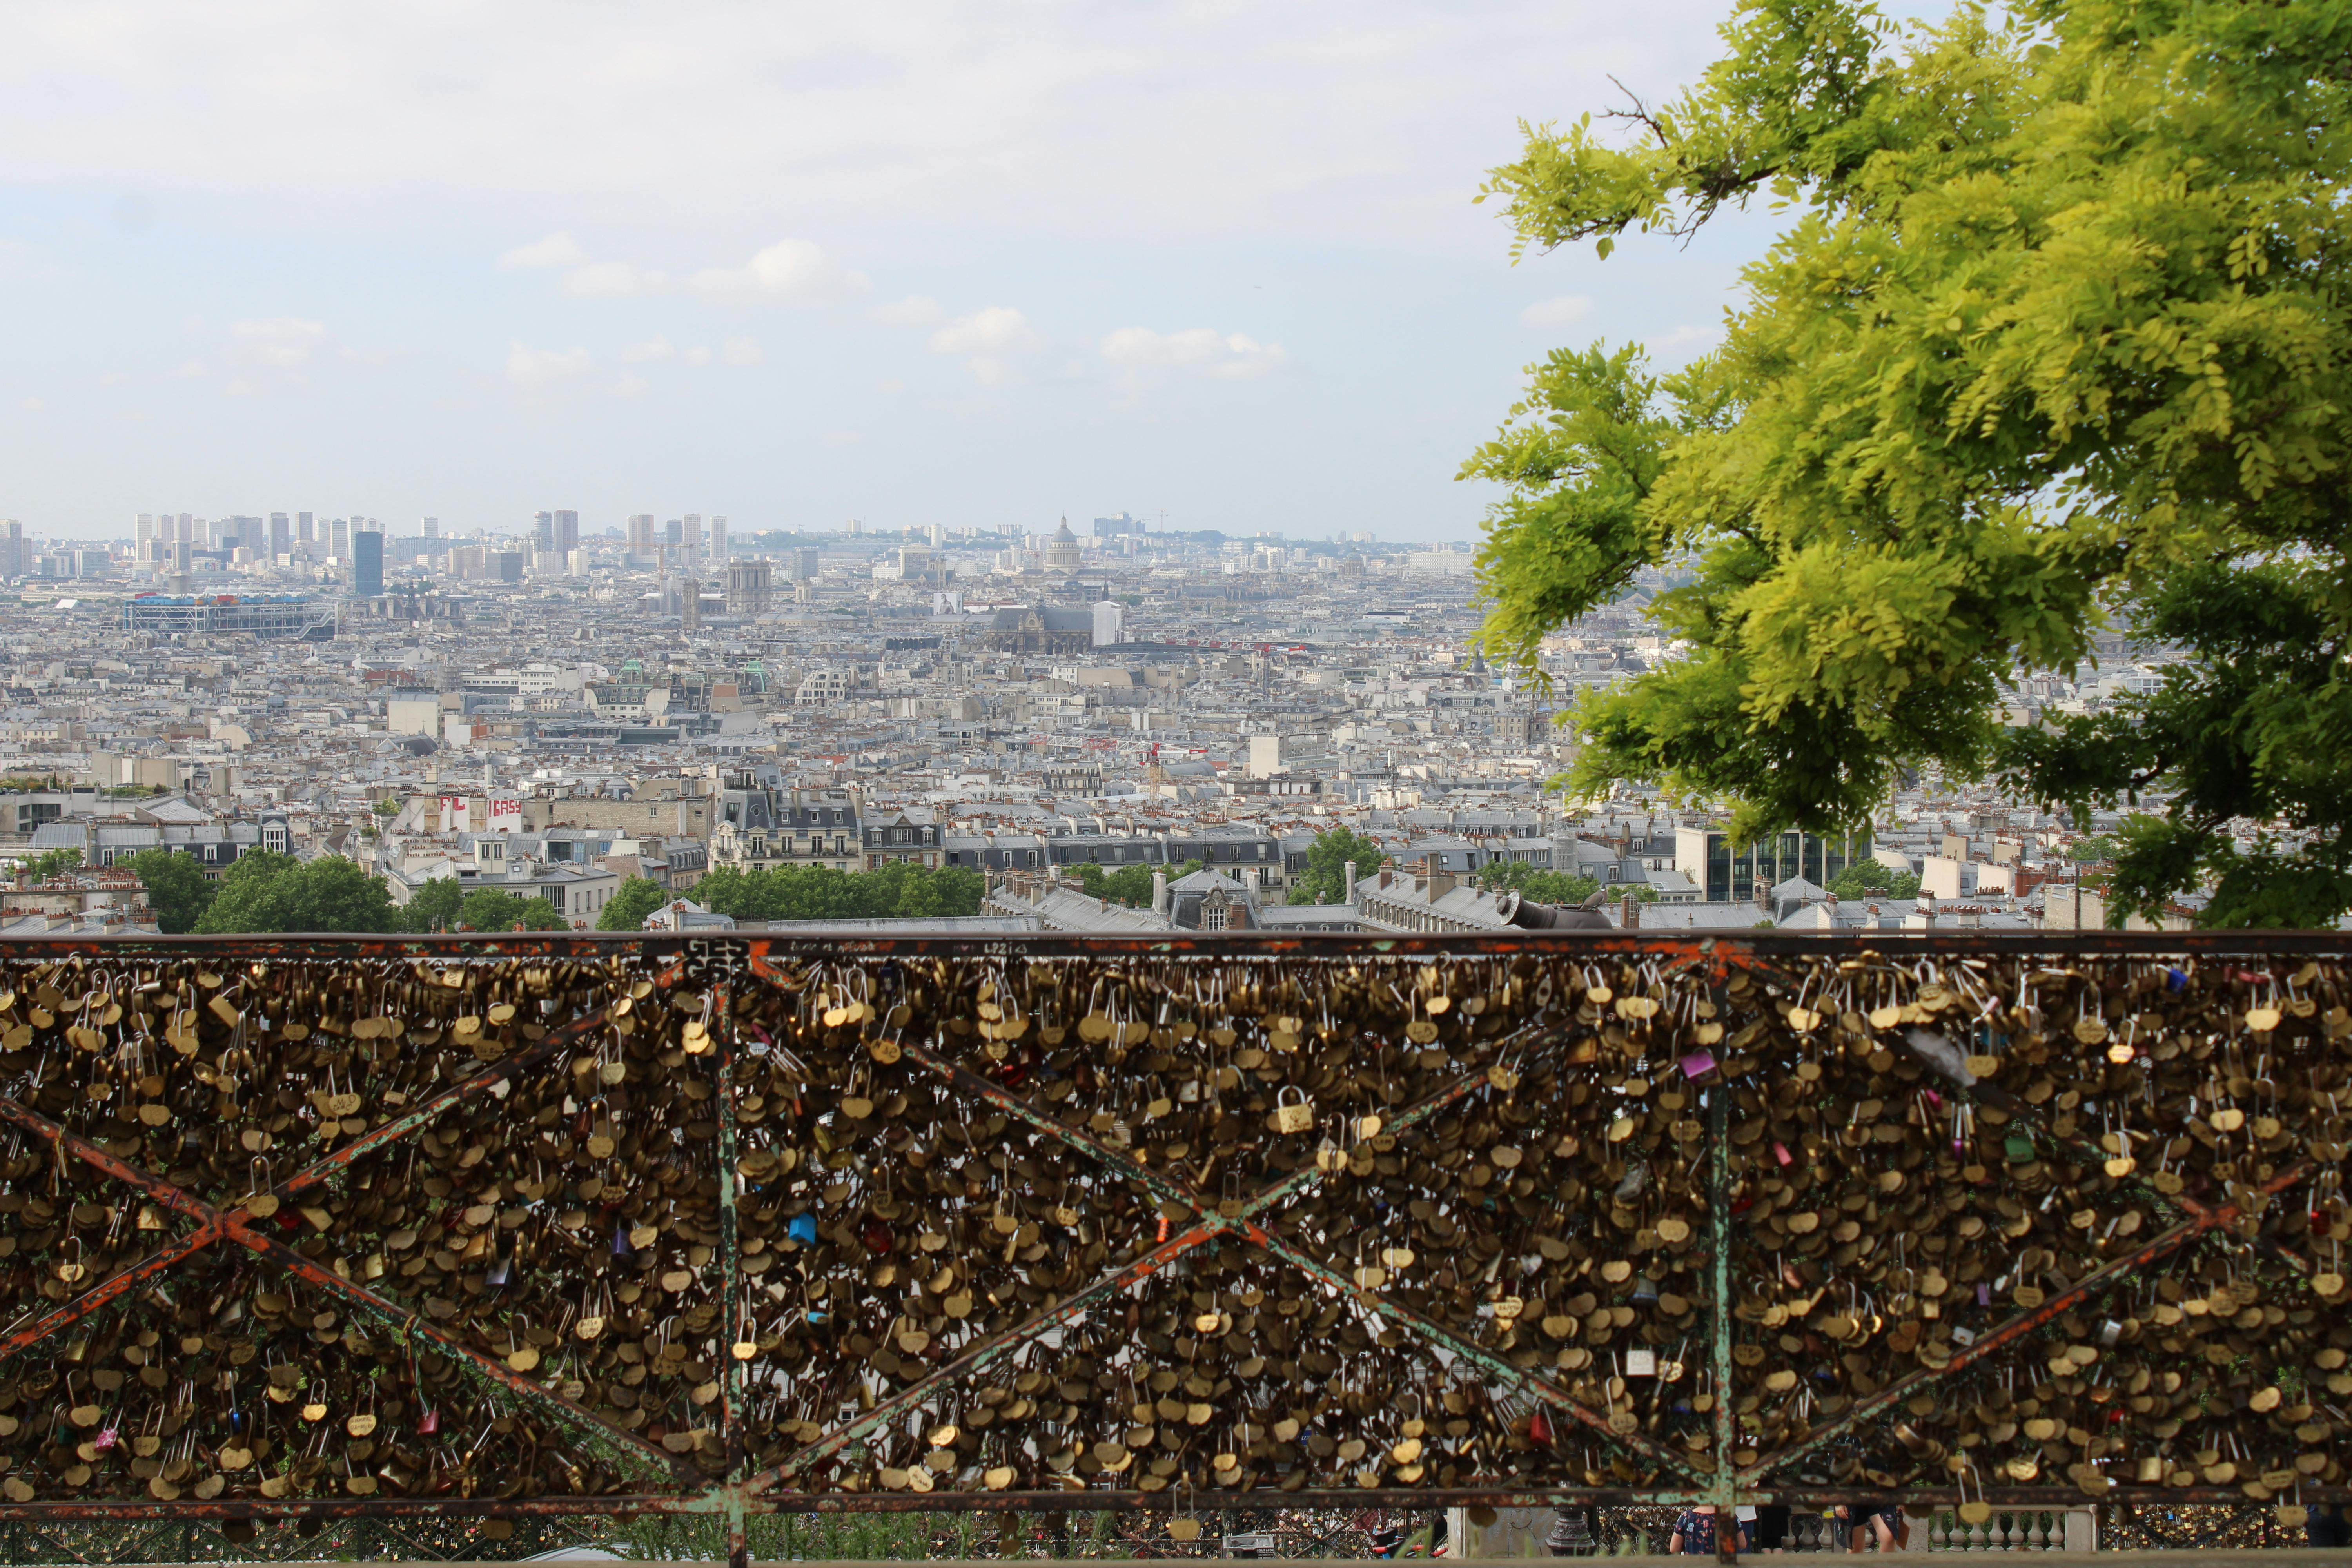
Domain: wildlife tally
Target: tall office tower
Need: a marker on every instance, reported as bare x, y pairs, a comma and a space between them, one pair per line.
367, 564
339, 538
432, 528
567, 533
690, 544
181, 549
801, 563
719, 539
542, 529
674, 534
641, 534
305, 530
187, 526
281, 536
145, 536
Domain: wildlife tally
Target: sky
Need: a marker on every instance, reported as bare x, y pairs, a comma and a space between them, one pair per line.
794, 264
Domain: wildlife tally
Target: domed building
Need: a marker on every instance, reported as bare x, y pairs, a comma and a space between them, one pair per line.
1062, 553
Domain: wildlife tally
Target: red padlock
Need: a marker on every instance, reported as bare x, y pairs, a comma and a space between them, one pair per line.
1539, 1428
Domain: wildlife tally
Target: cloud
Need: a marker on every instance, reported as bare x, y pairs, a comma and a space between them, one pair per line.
741, 352
789, 272
653, 348
30, 405
841, 438
890, 388
535, 368
283, 344
986, 338
1565, 310
556, 250
1230, 356
917, 310
998, 329
1683, 344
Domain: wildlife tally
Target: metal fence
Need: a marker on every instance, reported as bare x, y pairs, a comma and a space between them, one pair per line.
523, 1227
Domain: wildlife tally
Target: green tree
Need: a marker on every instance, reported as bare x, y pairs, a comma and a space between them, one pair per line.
1554, 887
267, 891
1129, 884
496, 910
631, 902
1873, 878
53, 862
434, 907
1325, 880
2055, 337
177, 888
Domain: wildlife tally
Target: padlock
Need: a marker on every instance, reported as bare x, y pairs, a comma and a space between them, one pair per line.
1293, 1112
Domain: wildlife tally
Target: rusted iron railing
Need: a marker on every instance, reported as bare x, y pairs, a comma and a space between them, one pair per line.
535, 1227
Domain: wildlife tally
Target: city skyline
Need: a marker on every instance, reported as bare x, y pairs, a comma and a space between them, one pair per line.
911, 269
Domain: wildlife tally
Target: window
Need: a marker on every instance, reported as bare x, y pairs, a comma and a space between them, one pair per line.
1213, 918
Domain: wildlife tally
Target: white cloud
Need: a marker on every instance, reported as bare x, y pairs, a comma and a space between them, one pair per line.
741, 352
841, 438
1000, 328
1683, 344
890, 388
30, 405
987, 339
1232, 356
556, 250
1349, 124
1551, 315
789, 272
916, 310
534, 368
613, 280
283, 344
653, 348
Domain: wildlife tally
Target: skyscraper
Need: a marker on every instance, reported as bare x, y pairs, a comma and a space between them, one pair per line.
641, 534
719, 539
305, 530
542, 529
367, 564
339, 542
567, 533
432, 528
281, 536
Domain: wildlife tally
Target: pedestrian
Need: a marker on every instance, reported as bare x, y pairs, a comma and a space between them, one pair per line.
1694, 1533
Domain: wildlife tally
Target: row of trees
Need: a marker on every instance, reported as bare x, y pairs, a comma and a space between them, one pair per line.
267, 891
894, 891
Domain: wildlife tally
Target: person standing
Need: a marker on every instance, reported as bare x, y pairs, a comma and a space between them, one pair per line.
1694, 1533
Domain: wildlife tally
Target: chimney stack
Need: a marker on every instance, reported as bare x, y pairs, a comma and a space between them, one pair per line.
1629, 913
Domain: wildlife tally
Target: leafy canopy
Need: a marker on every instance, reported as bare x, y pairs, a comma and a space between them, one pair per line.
631, 902
2054, 339
1325, 880
177, 889
897, 890
267, 891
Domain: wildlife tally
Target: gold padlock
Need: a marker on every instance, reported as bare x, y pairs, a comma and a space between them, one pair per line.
1293, 1115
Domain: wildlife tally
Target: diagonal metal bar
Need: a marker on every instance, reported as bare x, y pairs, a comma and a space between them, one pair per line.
235, 1225
979, 1089
557, 1040
987, 1351
1479, 1356
117, 1284
2016, 1328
